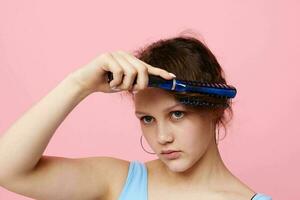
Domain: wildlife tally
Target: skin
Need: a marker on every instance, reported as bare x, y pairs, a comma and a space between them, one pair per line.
200, 166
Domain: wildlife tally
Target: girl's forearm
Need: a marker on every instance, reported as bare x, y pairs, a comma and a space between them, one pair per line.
23, 144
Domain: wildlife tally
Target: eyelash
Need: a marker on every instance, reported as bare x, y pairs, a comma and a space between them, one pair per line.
142, 118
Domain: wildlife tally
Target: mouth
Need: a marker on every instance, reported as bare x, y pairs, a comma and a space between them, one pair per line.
171, 155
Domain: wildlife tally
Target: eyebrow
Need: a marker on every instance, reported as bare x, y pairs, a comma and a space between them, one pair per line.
165, 110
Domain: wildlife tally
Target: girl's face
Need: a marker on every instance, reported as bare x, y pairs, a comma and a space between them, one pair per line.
168, 125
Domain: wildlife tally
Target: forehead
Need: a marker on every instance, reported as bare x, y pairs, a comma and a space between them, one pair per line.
153, 97
151, 100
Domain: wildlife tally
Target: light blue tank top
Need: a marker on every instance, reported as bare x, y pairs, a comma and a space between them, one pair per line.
135, 187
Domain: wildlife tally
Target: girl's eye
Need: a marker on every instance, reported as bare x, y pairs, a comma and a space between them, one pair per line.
180, 113
145, 117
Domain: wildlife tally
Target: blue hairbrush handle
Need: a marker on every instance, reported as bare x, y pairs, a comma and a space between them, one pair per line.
222, 90
154, 81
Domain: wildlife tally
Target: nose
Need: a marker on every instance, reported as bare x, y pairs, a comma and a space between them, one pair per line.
164, 134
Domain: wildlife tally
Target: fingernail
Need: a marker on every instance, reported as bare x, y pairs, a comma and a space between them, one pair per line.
173, 75
115, 88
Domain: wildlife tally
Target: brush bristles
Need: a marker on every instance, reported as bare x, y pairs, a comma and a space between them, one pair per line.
192, 101
202, 100
206, 84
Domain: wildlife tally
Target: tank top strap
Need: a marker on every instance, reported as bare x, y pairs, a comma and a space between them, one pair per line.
135, 187
261, 196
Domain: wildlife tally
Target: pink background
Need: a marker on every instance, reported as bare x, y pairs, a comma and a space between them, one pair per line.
256, 42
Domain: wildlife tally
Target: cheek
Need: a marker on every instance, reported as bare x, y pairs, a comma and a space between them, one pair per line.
148, 135
194, 137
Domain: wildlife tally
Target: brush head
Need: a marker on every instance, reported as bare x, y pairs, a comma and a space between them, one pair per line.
197, 101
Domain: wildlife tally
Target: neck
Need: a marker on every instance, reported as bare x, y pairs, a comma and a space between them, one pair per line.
208, 171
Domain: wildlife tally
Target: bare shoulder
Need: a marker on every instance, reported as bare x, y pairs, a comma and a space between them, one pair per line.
74, 178
110, 165
103, 173
108, 172
115, 170
242, 195
238, 190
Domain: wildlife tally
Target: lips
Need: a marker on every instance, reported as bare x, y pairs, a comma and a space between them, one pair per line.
172, 155
168, 151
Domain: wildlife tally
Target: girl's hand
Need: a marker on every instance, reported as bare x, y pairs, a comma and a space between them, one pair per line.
124, 66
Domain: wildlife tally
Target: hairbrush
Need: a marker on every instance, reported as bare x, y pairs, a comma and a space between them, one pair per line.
218, 90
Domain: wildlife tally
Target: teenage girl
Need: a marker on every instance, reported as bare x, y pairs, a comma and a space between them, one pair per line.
189, 165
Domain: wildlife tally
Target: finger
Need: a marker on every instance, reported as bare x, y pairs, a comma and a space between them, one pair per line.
129, 71
142, 77
158, 72
109, 64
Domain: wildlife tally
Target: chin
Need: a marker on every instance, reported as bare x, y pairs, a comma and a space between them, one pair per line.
177, 165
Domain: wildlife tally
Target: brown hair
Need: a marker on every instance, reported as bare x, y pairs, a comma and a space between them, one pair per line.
189, 59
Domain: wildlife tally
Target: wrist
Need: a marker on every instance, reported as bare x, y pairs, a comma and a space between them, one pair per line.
76, 85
